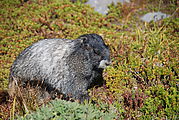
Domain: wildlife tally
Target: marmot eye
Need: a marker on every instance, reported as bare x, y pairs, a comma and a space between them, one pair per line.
97, 51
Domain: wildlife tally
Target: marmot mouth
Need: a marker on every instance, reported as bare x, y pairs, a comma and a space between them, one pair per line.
104, 63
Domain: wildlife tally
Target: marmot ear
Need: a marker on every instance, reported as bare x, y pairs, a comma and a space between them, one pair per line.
85, 43
83, 40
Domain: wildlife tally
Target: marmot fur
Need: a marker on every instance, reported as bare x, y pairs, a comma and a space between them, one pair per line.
70, 67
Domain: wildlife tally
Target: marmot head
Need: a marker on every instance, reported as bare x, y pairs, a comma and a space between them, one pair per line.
99, 51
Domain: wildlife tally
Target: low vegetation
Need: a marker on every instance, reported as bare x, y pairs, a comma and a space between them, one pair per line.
63, 110
142, 81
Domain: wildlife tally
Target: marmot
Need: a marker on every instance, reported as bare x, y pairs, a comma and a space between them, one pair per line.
70, 67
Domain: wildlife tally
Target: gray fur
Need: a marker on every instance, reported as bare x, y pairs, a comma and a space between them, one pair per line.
68, 66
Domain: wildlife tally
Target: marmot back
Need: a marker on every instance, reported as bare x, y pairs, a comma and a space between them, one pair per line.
67, 66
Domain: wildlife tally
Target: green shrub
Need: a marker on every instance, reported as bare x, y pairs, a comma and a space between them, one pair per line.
63, 110
161, 103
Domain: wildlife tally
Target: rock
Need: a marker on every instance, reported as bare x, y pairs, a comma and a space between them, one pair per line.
154, 16
101, 6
